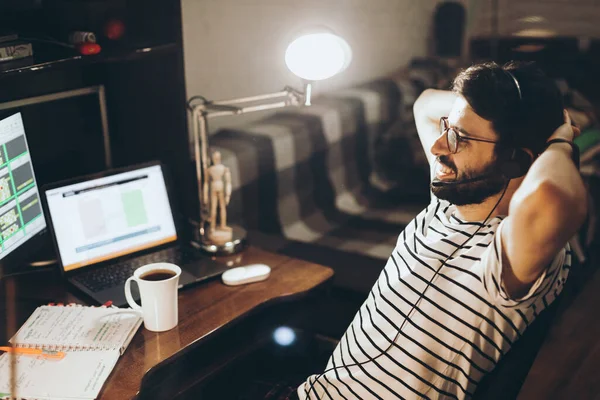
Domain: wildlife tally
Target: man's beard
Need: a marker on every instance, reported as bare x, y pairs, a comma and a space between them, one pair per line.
462, 194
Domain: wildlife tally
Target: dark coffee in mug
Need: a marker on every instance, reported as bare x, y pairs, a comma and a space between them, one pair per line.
158, 275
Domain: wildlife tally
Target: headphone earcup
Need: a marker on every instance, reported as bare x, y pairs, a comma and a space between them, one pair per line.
517, 165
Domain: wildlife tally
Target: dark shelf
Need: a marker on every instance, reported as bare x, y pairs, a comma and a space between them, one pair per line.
59, 57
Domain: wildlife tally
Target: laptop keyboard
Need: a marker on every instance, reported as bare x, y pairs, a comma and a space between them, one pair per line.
109, 276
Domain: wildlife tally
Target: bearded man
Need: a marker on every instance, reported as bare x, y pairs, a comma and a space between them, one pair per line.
474, 269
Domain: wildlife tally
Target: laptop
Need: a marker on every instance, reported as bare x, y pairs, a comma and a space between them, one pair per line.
104, 226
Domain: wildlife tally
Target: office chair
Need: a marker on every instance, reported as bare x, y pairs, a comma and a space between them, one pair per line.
506, 380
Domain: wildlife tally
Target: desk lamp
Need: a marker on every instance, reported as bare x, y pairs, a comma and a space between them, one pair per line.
312, 57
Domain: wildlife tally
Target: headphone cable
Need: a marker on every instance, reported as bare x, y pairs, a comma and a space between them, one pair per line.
421, 296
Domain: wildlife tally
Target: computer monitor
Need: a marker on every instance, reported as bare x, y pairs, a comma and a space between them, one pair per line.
22, 221
67, 131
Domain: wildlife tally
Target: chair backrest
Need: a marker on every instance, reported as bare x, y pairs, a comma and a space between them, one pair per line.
506, 380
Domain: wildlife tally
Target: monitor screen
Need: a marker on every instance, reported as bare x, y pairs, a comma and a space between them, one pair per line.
108, 217
21, 215
67, 132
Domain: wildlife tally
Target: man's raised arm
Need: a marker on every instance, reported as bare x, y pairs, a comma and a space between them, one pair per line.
544, 213
428, 109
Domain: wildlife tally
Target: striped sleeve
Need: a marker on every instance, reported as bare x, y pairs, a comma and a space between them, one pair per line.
549, 281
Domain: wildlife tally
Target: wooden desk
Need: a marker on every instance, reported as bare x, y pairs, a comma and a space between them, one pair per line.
203, 310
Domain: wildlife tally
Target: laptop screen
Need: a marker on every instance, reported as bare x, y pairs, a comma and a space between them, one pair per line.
108, 217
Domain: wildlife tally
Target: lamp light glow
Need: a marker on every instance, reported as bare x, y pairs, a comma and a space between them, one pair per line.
318, 56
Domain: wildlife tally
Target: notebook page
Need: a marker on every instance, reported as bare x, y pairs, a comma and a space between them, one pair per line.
78, 328
80, 375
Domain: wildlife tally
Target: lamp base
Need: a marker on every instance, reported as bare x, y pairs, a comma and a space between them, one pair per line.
221, 245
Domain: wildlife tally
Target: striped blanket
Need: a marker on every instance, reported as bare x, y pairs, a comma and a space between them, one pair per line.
319, 177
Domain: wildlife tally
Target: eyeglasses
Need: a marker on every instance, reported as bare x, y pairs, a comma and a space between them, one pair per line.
454, 139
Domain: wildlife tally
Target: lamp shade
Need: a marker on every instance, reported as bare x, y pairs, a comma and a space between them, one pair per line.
318, 56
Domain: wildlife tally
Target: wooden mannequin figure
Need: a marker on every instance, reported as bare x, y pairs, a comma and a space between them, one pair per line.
220, 194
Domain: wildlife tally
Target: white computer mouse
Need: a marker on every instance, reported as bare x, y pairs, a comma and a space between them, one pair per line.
246, 274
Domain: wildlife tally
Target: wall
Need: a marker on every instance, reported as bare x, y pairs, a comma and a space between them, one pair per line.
235, 48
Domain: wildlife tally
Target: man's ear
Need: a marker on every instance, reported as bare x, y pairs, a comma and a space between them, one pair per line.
517, 164
528, 157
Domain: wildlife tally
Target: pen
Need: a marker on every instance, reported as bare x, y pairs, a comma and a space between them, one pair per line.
52, 354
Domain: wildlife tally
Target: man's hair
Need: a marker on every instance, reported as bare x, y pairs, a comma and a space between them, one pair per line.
492, 93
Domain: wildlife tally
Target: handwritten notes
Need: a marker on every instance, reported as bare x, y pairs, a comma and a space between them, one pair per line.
80, 375
78, 328
93, 338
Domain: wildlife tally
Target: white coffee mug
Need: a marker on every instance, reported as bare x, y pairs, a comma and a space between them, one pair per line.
158, 284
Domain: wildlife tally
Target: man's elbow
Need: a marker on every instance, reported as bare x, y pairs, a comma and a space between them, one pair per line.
420, 105
557, 213
570, 203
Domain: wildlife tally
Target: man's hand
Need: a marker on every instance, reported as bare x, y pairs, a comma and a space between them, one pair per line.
566, 131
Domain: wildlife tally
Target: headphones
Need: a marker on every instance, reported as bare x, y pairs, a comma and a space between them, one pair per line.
514, 162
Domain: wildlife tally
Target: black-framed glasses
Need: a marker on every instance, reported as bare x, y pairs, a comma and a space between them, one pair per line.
453, 138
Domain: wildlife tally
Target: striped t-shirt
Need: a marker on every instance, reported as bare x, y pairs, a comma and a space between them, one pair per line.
457, 332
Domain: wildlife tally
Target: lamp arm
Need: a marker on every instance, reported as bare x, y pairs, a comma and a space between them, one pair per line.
254, 99
250, 109
294, 97
298, 97
200, 128
205, 109
216, 107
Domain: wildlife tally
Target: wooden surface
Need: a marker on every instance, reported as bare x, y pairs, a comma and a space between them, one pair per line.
202, 311
568, 364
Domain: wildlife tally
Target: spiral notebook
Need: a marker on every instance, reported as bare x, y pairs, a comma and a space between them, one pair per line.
93, 338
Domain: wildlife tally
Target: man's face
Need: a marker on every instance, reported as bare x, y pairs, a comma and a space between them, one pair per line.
473, 159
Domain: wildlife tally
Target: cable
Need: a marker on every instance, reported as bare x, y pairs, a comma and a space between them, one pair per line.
372, 359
